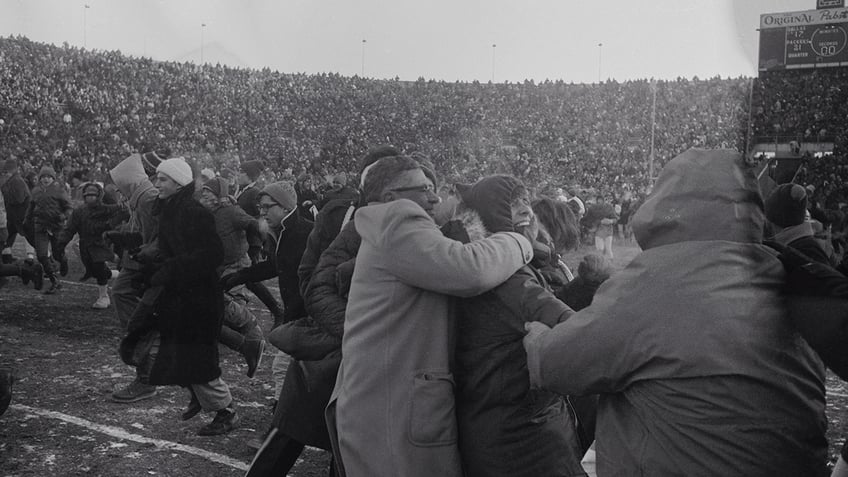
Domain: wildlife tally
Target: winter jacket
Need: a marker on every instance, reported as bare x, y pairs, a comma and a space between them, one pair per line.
237, 231
817, 299
393, 405
506, 428
345, 193
324, 302
690, 346
49, 208
247, 199
328, 223
800, 237
309, 383
90, 221
189, 312
132, 181
17, 197
284, 252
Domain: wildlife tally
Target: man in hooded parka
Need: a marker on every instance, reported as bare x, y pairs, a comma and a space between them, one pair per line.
690, 347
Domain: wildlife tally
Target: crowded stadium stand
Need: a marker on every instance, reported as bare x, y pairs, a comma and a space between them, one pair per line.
87, 109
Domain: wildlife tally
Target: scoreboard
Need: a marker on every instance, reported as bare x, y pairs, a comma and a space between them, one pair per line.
808, 39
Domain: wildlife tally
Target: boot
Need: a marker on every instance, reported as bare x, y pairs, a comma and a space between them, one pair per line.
252, 351
55, 286
7, 379
34, 272
63, 265
103, 301
224, 422
193, 406
29, 263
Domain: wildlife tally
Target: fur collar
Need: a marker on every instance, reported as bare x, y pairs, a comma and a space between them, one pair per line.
471, 222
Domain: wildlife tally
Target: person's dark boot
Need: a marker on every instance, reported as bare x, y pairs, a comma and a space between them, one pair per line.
32, 272
193, 407
55, 286
29, 262
6, 381
252, 351
135, 391
63, 266
224, 422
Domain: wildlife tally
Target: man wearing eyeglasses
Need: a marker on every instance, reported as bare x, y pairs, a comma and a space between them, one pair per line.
392, 411
277, 204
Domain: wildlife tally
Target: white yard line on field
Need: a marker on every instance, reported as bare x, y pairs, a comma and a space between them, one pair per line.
119, 433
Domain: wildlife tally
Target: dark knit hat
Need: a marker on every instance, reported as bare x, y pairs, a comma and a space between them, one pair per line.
9, 165
47, 171
283, 193
218, 186
491, 197
253, 168
787, 205
150, 161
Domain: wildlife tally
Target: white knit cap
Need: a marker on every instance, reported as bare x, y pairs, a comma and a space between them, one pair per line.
177, 169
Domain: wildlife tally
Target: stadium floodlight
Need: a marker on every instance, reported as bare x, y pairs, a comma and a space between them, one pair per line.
85, 26
363, 57
600, 46
493, 61
202, 28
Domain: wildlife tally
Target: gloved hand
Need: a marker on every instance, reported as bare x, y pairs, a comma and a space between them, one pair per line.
232, 279
255, 254
535, 330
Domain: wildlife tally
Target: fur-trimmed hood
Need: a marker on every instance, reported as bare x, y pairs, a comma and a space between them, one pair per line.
465, 225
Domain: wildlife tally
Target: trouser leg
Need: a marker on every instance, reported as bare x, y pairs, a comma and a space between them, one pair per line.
277, 455
42, 248
267, 298
214, 395
126, 294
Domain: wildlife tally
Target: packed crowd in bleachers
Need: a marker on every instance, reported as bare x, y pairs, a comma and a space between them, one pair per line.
808, 106
87, 109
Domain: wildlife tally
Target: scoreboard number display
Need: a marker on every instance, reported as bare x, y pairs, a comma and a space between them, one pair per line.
808, 39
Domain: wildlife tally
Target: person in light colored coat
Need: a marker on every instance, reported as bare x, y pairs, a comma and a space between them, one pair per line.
393, 409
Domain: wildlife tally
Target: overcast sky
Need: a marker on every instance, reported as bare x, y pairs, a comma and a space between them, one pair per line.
440, 39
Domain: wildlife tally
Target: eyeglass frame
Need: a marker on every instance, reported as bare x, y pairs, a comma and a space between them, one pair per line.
419, 188
266, 207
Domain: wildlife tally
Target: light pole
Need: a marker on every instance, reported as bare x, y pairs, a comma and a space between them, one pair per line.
363, 58
600, 47
85, 26
202, 29
493, 61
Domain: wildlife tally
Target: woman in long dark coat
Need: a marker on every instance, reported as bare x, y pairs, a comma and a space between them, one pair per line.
189, 308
